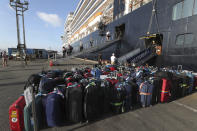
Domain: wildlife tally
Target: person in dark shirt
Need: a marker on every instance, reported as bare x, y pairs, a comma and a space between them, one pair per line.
81, 46
64, 52
91, 42
100, 59
70, 49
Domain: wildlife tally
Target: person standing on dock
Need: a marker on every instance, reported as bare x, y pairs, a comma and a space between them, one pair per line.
81, 46
64, 51
100, 59
4, 59
70, 49
113, 59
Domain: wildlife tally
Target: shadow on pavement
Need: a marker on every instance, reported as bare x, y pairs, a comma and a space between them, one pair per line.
10, 84
18, 70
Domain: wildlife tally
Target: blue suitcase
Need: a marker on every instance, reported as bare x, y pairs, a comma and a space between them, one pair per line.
145, 91
191, 82
96, 72
55, 109
48, 84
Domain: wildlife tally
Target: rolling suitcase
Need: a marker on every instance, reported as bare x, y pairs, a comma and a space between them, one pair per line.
165, 90
145, 91
16, 118
157, 84
106, 96
74, 103
40, 115
184, 85
135, 93
190, 82
176, 90
128, 98
118, 98
54, 109
92, 101
47, 84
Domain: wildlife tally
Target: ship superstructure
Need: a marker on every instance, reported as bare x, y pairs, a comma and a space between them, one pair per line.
170, 23
89, 13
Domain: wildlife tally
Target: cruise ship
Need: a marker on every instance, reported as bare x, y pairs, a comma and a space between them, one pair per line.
133, 26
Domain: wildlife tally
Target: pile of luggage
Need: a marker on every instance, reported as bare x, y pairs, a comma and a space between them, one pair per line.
82, 95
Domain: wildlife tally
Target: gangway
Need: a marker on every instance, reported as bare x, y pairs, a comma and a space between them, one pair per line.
95, 48
138, 57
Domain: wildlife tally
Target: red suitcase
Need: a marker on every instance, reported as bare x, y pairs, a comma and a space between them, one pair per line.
16, 118
165, 90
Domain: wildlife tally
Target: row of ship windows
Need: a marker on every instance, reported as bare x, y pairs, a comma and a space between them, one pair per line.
184, 9
184, 39
90, 13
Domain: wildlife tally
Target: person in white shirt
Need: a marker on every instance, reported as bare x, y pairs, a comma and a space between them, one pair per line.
108, 35
113, 59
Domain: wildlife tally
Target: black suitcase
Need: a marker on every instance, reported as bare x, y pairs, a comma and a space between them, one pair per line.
106, 96
74, 103
134, 93
118, 98
128, 98
92, 101
176, 90
156, 95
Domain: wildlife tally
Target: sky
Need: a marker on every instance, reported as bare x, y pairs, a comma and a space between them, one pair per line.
44, 23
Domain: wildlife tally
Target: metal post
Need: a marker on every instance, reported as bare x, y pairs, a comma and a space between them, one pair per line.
17, 26
23, 29
20, 8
